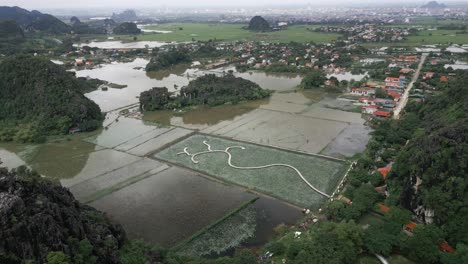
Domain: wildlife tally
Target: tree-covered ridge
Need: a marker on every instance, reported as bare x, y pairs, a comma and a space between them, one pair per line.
258, 23
127, 28
431, 169
206, 90
40, 220
38, 97
33, 20
10, 30
163, 60
428, 150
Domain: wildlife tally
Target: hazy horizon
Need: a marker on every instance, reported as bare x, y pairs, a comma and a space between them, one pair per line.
83, 4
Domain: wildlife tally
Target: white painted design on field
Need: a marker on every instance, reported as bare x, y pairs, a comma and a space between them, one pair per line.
226, 151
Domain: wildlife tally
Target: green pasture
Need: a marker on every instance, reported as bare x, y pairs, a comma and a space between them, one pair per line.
427, 37
232, 32
280, 182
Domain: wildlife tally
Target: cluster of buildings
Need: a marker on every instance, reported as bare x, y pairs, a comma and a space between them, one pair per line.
368, 33
379, 100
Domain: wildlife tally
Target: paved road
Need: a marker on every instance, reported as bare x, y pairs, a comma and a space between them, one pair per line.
404, 98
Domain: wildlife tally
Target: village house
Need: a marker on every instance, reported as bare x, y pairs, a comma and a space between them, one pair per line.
406, 70
428, 75
362, 92
369, 109
409, 227
380, 113
395, 82
395, 94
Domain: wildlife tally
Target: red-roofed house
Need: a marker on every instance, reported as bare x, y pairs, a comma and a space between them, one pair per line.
428, 75
383, 208
396, 95
406, 70
443, 79
445, 247
409, 227
380, 113
384, 171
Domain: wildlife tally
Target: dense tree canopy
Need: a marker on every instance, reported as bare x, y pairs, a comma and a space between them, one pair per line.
206, 90
164, 60
39, 97
313, 80
34, 20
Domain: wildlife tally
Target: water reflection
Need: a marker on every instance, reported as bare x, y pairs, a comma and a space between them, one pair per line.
272, 81
203, 116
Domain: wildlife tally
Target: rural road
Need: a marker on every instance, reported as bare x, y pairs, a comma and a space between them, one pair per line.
404, 98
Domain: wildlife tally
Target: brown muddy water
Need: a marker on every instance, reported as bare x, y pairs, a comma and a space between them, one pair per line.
164, 204
137, 80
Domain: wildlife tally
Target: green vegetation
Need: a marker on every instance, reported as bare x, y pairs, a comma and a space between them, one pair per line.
164, 60
226, 233
428, 143
313, 80
206, 90
88, 85
127, 28
33, 21
280, 182
39, 98
258, 23
10, 30
231, 32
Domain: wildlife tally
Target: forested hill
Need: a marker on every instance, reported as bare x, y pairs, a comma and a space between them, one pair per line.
258, 23
206, 90
33, 20
127, 28
10, 30
430, 172
43, 95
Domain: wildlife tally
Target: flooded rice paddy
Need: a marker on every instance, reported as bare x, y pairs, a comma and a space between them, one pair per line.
113, 169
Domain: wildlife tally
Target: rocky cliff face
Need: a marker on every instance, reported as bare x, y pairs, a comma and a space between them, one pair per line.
37, 217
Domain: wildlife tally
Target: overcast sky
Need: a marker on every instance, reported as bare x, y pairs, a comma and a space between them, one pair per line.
46, 4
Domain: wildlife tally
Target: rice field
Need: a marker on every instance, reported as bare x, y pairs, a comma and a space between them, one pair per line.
280, 182
227, 233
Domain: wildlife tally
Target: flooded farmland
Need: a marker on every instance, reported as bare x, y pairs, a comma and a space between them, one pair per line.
113, 44
114, 170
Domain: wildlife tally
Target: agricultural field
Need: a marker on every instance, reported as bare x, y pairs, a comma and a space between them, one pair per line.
226, 233
428, 37
281, 182
232, 32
